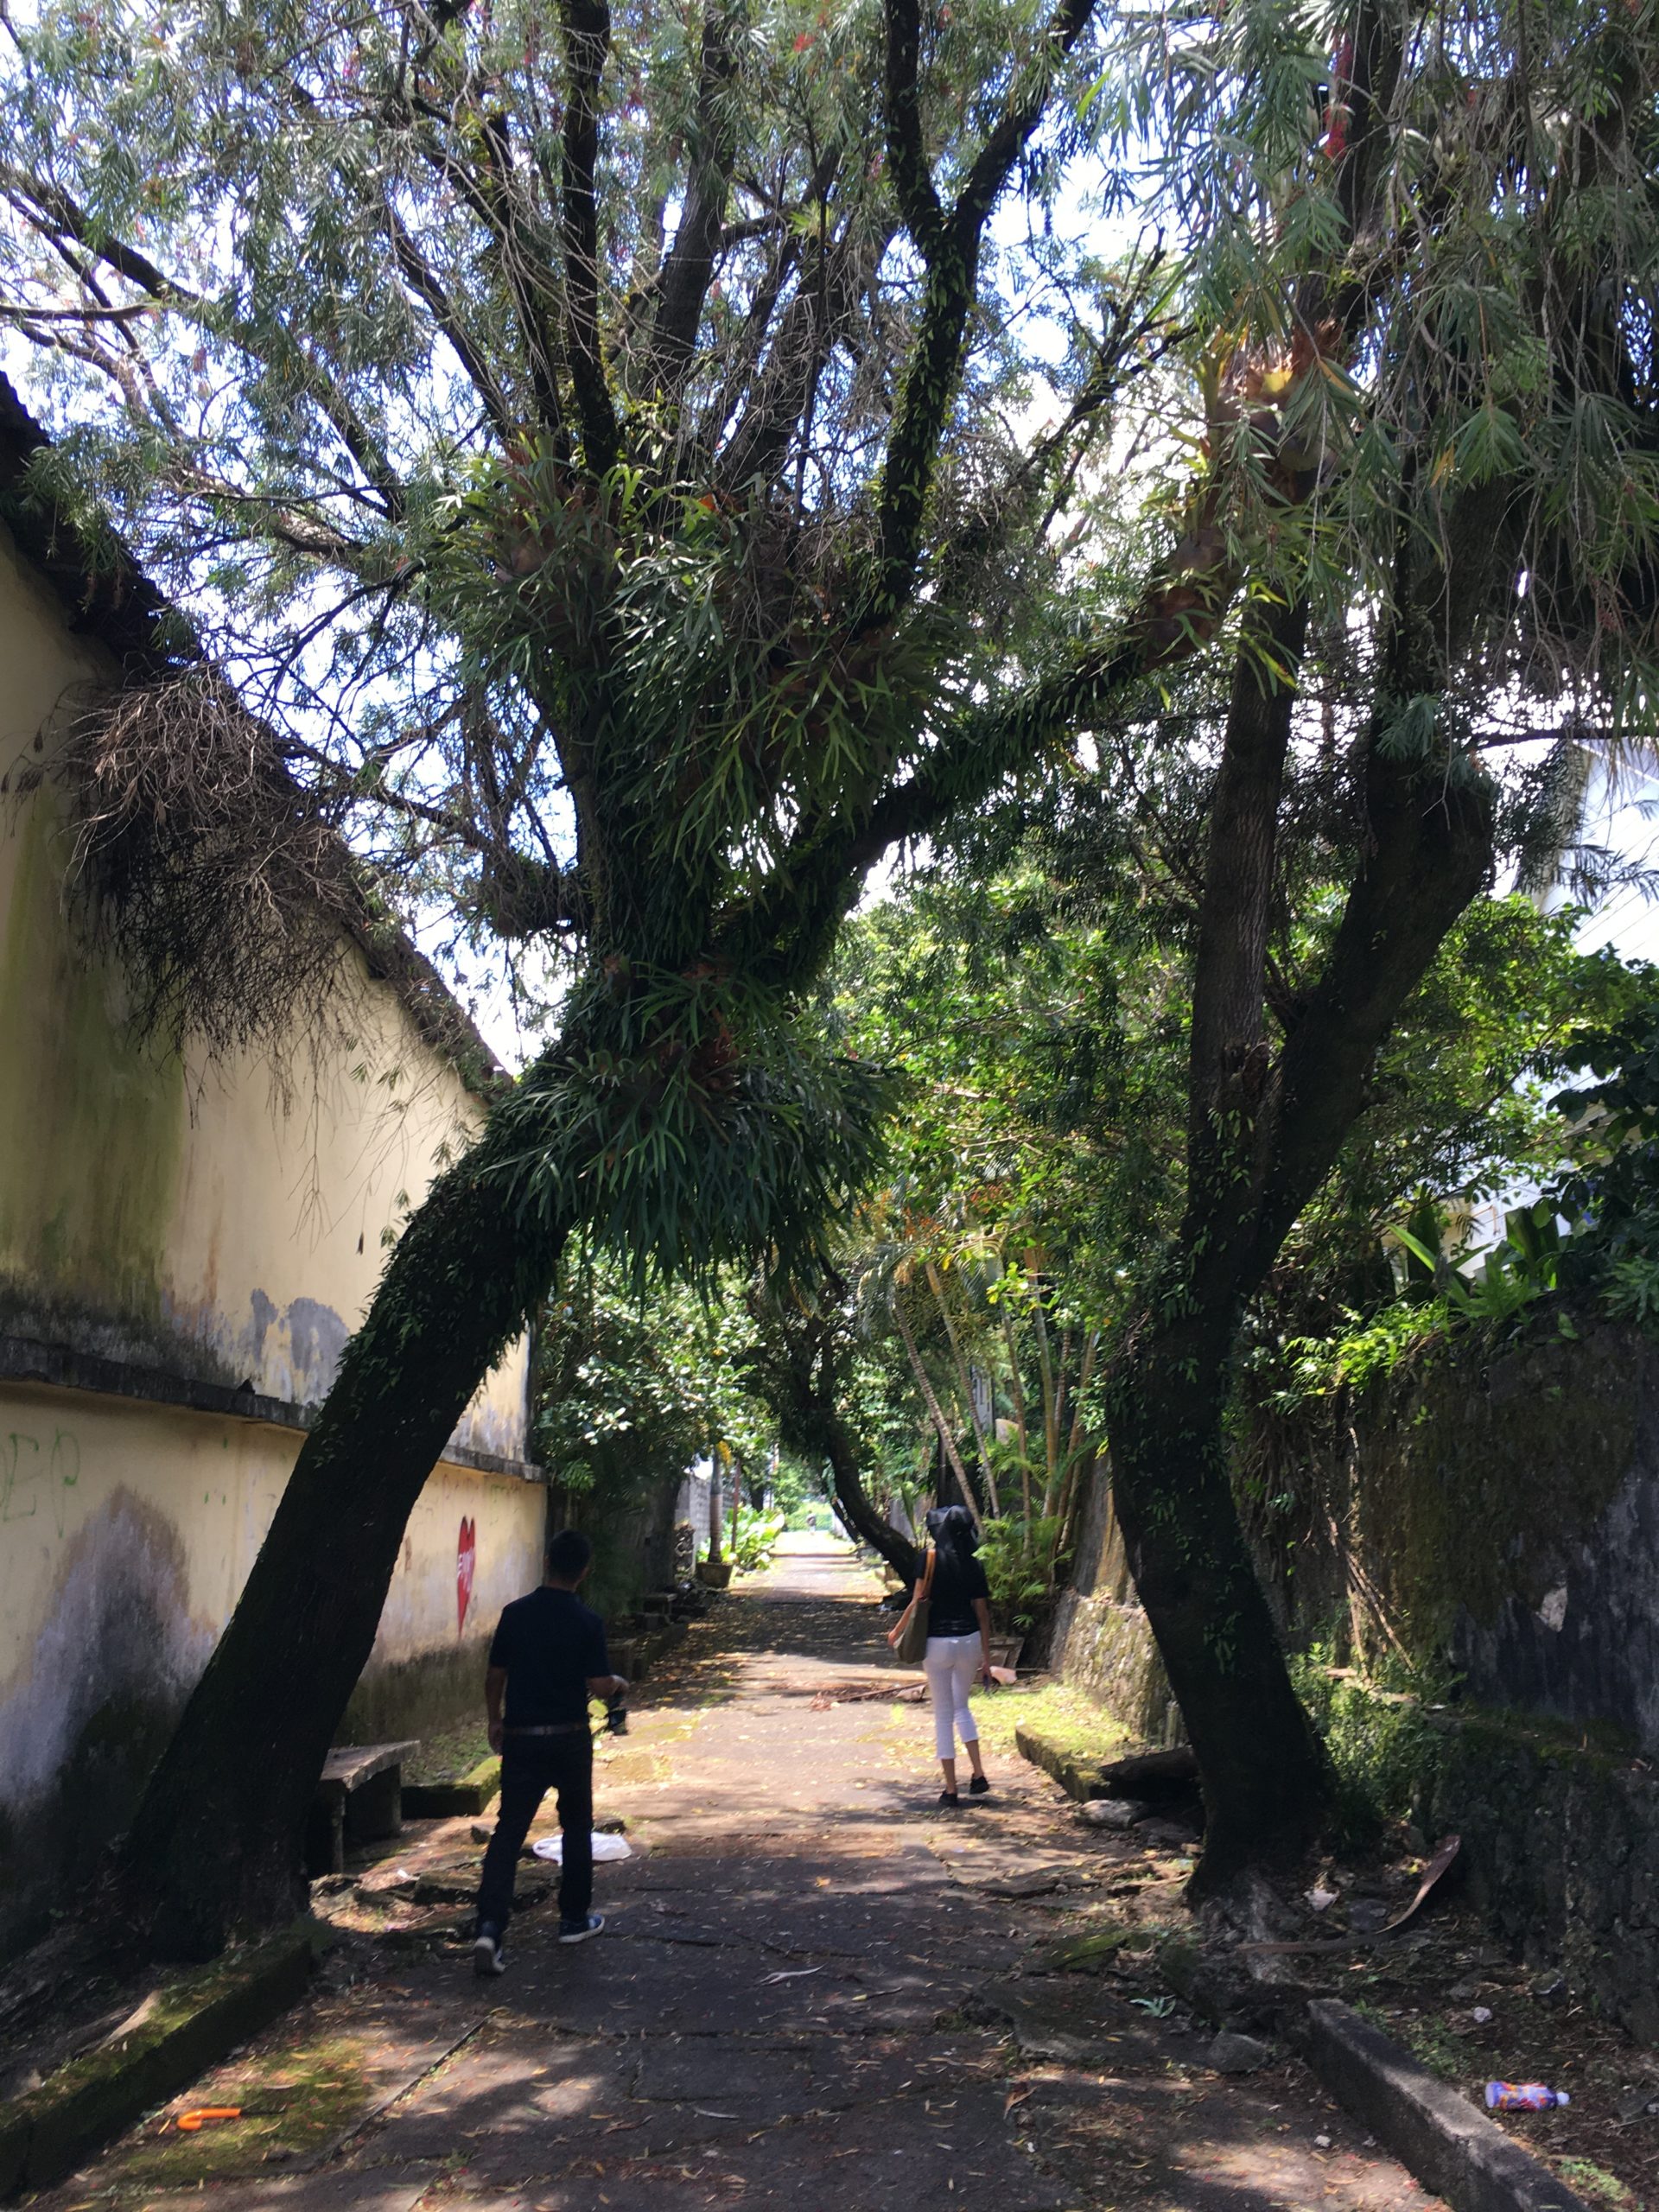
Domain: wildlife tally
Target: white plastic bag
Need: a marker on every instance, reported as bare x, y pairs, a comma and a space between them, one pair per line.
605, 1846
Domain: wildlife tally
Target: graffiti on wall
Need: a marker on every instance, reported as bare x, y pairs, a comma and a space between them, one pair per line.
36, 1473
466, 1561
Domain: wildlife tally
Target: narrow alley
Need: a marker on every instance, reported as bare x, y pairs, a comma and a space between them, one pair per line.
815, 1990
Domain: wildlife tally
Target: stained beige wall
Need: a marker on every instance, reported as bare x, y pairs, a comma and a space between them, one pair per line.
126, 1532
230, 1220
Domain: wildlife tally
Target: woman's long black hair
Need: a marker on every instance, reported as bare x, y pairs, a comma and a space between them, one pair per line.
951, 1532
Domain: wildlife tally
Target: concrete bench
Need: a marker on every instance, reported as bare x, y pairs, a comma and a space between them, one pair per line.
359, 1798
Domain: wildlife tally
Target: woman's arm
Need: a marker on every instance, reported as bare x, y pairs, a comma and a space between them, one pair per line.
982, 1614
924, 1583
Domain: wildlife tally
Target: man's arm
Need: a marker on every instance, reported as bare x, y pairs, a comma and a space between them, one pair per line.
605, 1685
495, 1688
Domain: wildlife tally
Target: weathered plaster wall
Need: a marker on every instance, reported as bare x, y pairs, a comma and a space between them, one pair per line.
1498, 1513
1495, 1513
228, 1220
126, 1532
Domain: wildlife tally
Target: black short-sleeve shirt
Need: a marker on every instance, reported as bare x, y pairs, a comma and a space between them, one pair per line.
549, 1643
950, 1601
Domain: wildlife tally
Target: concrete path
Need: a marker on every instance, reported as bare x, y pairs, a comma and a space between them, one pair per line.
815, 1992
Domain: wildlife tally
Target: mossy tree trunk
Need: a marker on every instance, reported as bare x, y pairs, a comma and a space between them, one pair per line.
218, 1842
1264, 1130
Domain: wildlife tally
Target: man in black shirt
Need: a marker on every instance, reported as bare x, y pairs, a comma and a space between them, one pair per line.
548, 1656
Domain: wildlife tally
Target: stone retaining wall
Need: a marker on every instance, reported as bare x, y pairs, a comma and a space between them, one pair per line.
1098, 1640
1561, 1846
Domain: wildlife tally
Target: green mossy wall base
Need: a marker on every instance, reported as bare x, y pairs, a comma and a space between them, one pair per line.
434, 1800
1080, 1779
188, 2026
417, 1697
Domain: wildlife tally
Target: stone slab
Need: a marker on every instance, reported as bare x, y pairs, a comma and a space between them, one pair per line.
351, 1765
1182, 2146
621, 1987
504, 2103
938, 2151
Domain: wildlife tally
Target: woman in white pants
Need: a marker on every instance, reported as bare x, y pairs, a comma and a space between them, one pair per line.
958, 1641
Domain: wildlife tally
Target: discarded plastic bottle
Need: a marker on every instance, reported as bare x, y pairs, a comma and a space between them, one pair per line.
1523, 2096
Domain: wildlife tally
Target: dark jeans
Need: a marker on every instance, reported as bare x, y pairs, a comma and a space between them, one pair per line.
530, 1766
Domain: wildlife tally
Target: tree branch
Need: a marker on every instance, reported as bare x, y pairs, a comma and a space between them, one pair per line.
355, 436
1230, 958
689, 268
950, 247
907, 162
586, 26
429, 289
786, 933
68, 217
522, 258
831, 279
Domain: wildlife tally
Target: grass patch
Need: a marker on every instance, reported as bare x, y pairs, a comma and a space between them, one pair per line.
1596, 2183
293, 2101
1068, 1719
1089, 1954
1437, 2047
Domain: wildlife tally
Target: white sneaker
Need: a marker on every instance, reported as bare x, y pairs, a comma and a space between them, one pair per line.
489, 1955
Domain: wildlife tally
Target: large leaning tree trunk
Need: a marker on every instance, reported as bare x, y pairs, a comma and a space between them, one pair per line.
1269, 1135
214, 1845
799, 1367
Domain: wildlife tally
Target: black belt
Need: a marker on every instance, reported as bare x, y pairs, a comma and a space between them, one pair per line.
558, 1728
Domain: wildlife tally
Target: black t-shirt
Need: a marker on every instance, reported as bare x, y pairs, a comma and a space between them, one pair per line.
950, 1601
550, 1643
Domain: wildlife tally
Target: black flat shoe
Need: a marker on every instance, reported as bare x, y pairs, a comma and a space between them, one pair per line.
979, 1785
951, 1799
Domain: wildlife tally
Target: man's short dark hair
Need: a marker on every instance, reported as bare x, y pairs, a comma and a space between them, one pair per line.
568, 1554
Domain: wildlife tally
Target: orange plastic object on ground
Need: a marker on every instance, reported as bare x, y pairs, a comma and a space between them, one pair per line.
190, 2121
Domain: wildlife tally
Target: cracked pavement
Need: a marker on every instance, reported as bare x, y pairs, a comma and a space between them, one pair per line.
814, 1990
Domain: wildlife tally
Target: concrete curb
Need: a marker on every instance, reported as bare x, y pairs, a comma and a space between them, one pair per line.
1080, 1778
186, 2026
1446, 2143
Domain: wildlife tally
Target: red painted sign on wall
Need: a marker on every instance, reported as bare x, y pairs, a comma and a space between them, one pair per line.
465, 1559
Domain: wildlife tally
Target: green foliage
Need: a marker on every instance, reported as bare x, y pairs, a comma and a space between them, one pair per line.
1375, 1729
1595, 2182
754, 1538
1375, 1274
1520, 1267
1609, 1190
629, 1391
690, 1123
1020, 1563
